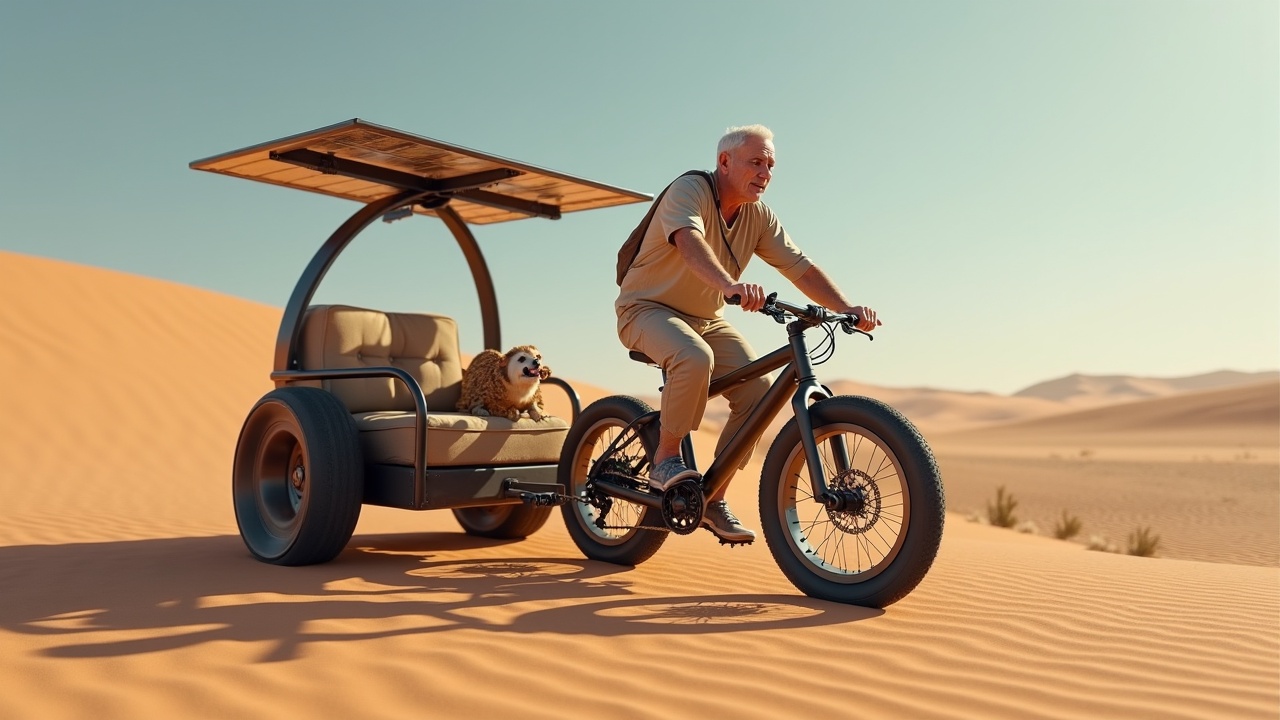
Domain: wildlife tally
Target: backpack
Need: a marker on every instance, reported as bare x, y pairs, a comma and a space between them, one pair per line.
631, 248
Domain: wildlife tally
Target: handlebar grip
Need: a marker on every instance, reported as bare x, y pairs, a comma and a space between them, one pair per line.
769, 301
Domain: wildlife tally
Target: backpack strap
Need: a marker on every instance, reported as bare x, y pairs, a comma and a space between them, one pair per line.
631, 248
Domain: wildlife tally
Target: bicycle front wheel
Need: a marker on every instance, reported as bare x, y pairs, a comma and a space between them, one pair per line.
874, 540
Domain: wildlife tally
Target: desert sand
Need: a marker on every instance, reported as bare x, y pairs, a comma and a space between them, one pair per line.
125, 591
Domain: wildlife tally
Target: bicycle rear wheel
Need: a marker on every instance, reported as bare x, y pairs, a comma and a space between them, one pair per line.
876, 542
604, 527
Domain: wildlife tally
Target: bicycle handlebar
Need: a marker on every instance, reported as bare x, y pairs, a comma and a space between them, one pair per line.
812, 314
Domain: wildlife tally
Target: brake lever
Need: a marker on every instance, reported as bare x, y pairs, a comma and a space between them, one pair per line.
770, 308
849, 328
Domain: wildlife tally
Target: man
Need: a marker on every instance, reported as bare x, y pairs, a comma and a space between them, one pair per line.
672, 298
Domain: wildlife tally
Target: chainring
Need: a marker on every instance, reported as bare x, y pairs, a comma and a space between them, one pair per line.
682, 507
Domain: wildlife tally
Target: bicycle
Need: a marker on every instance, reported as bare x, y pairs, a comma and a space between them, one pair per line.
851, 499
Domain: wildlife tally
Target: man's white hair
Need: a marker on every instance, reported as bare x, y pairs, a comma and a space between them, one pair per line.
735, 136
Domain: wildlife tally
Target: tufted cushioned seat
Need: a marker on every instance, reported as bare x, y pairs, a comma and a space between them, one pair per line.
425, 346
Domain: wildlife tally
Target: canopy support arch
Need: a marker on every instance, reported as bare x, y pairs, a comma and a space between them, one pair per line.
385, 169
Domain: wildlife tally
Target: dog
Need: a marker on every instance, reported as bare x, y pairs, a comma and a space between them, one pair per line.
505, 385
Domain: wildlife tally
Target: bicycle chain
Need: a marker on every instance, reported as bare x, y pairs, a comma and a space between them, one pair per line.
635, 527
585, 501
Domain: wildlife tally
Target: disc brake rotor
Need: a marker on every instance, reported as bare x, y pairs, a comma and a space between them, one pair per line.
862, 502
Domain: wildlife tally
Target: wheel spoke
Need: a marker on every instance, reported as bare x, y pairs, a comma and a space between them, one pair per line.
803, 487
621, 516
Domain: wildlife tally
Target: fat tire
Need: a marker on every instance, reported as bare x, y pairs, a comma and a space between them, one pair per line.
288, 424
502, 522
922, 528
639, 545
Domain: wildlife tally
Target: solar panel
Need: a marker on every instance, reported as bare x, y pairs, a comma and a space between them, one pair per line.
360, 161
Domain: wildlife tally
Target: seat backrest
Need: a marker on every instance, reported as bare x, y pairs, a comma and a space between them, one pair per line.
422, 344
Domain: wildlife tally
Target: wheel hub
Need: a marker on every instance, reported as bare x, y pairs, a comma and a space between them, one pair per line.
615, 469
853, 501
297, 478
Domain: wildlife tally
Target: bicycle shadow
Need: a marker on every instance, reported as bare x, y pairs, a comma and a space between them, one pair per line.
144, 596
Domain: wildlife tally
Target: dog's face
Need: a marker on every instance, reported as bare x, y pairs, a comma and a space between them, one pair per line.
523, 365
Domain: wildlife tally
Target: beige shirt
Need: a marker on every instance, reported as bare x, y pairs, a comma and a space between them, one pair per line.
659, 274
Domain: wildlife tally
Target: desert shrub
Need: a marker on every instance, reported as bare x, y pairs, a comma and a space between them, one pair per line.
1143, 543
1028, 527
1000, 513
1068, 527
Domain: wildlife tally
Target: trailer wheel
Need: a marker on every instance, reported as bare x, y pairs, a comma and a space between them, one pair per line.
504, 522
298, 477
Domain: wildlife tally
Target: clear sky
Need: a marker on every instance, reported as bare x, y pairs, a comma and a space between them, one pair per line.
1023, 189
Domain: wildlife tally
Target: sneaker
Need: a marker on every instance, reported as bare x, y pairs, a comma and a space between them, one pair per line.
669, 472
720, 520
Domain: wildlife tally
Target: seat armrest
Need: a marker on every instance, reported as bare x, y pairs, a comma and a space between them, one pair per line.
410, 382
415, 391
574, 401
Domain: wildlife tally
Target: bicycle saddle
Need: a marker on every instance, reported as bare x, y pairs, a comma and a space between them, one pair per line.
641, 357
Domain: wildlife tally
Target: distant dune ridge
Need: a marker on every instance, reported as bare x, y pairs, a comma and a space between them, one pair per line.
1241, 422
125, 591
1089, 406
1114, 388
1249, 412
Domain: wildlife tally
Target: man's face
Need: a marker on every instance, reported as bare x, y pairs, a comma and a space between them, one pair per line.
748, 168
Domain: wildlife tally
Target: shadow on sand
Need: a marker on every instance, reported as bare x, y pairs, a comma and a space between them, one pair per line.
123, 598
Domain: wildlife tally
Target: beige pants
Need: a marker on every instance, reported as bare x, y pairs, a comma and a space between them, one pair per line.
692, 351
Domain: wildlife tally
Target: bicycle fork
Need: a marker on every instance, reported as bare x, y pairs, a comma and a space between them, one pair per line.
807, 389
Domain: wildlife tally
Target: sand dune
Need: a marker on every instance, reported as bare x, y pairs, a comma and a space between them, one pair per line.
126, 593
1247, 409
1238, 423
1104, 389
1200, 469
131, 387
932, 410
938, 411
935, 410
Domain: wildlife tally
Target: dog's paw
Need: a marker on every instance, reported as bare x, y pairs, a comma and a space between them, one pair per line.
534, 415
544, 372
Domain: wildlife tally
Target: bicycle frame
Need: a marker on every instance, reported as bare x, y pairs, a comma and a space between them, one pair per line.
797, 370
797, 374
